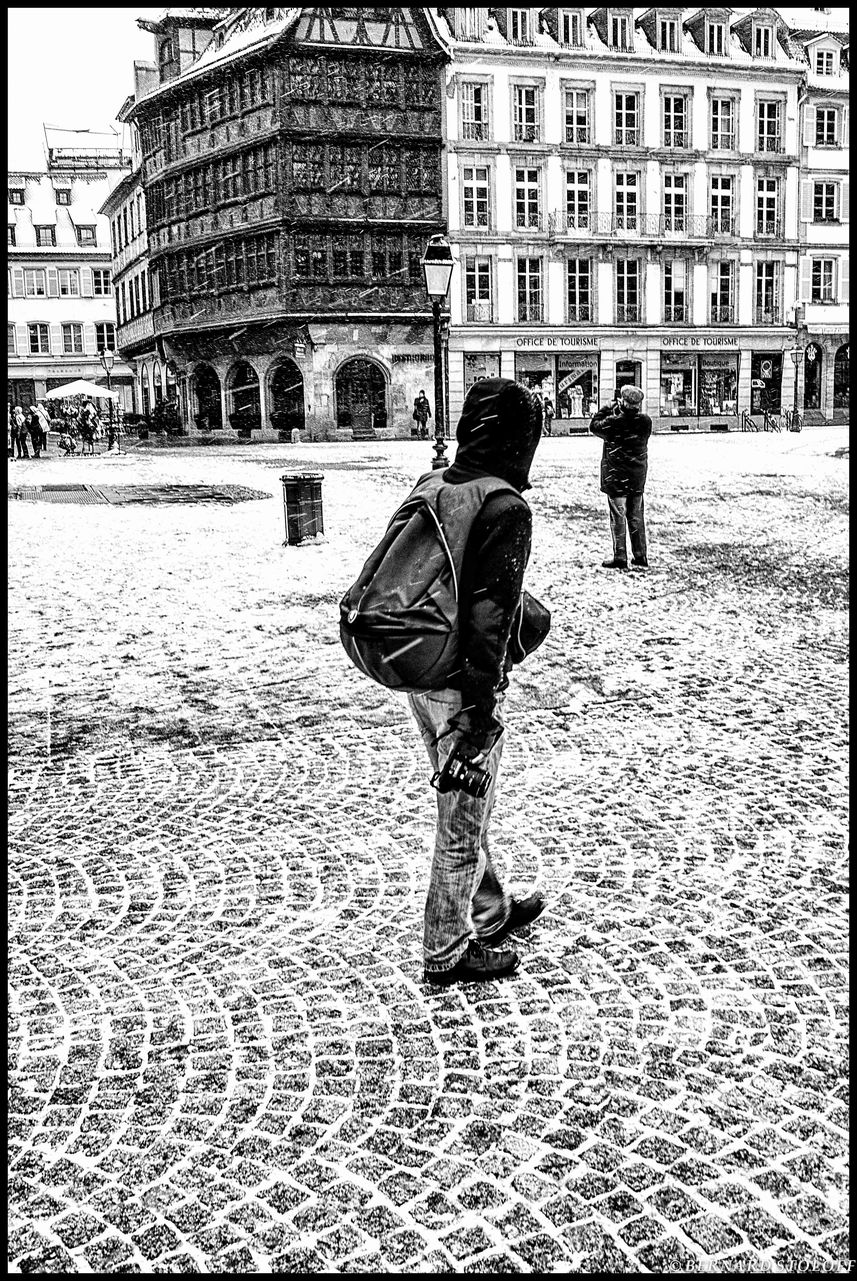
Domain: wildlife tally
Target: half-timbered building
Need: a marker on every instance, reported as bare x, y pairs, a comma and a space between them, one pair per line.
292, 173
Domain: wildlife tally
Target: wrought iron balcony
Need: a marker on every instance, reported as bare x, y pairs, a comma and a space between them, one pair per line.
675, 222
675, 138
767, 316
530, 311
722, 224
582, 311
626, 137
723, 142
628, 313
578, 134
475, 130
479, 312
529, 218
477, 220
676, 313
723, 315
577, 221
768, 227
769, 142
527, 133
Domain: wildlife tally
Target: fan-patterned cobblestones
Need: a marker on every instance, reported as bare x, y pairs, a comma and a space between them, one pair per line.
223, 1058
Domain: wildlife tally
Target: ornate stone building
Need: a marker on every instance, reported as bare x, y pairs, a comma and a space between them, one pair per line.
623, 203
291, 161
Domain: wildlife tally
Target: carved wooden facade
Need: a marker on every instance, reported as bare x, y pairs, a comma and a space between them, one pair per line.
303, 180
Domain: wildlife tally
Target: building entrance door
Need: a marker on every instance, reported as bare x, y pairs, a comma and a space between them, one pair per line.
629, 373
207, 387
841, 379
812, 377
361, 397
287, 399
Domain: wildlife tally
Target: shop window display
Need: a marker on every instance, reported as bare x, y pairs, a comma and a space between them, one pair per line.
718, 383
678, 385
577, 387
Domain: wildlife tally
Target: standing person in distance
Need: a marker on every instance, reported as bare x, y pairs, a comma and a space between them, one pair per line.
422, 413
625, 430
19, 433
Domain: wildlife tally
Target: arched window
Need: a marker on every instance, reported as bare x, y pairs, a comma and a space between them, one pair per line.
206, 386
243, 398
287, 398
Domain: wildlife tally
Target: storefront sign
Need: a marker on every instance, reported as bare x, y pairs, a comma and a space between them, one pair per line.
691, 340
564, 340
399, 359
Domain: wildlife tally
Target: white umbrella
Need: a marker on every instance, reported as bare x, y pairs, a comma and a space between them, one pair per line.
82, 388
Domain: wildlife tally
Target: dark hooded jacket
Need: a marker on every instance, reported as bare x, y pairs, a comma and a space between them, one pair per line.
624, 459
498, 432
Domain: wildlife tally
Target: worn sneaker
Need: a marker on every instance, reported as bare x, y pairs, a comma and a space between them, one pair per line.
639, 562
477, 965
523, 911
614, 564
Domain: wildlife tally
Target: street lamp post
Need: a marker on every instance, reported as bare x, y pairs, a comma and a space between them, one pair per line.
108, 359
797, 352
437, 268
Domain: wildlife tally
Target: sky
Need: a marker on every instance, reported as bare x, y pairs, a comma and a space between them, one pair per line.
71, 67
74, 68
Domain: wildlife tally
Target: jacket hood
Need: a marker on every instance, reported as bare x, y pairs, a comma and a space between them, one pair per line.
498, 432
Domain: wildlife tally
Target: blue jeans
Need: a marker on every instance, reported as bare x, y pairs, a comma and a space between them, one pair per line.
464, 896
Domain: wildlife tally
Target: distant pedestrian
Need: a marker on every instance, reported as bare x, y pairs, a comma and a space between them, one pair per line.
421, 415
10, 435
34, 427
87, 436
549, 412
19, 433
45, 420
625, 431
66, 442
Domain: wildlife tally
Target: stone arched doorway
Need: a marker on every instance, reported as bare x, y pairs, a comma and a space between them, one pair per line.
242, 390
361, 397
812, 362
206, 386
287, 399
841, 372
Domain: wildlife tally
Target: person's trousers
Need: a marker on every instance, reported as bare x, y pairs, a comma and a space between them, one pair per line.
627, 509
465, 895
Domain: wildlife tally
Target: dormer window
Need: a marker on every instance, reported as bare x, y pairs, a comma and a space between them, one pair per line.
519, 26
16, 195
763, 40
620, 31
668, 35
62, 195
571, 27
715, 38
824, 62
468, 24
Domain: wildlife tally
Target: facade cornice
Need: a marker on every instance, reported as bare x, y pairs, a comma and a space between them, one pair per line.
600, 62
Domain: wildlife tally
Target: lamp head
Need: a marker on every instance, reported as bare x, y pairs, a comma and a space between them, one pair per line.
437, 263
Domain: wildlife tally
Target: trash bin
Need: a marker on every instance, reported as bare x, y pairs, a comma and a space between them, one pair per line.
302, 503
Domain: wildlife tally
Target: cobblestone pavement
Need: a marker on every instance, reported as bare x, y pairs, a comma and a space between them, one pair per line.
223, 1057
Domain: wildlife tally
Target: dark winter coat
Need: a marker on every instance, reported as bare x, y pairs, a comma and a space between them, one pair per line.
624, 459
498, 432
422, 410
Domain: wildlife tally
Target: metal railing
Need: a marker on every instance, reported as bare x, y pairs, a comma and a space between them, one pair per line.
771, 422
529, 219
628, 314
748, 423
675, 137
576, 221
722, 224
581, 311
626, 137
765, 317
527, 133
579, 135
723, 315
677, 313
772, 142
475, 131
768, 227
723, 142
482, 312
697, 226
528, 311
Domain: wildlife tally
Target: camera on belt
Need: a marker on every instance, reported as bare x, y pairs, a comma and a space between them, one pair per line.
459, 773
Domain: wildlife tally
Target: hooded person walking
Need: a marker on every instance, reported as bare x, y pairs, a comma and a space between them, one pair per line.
468, 914
625, 431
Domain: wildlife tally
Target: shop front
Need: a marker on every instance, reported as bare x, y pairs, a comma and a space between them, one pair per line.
766, 379
699, 384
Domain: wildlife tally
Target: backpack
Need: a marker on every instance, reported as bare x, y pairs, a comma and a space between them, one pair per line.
399, 621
